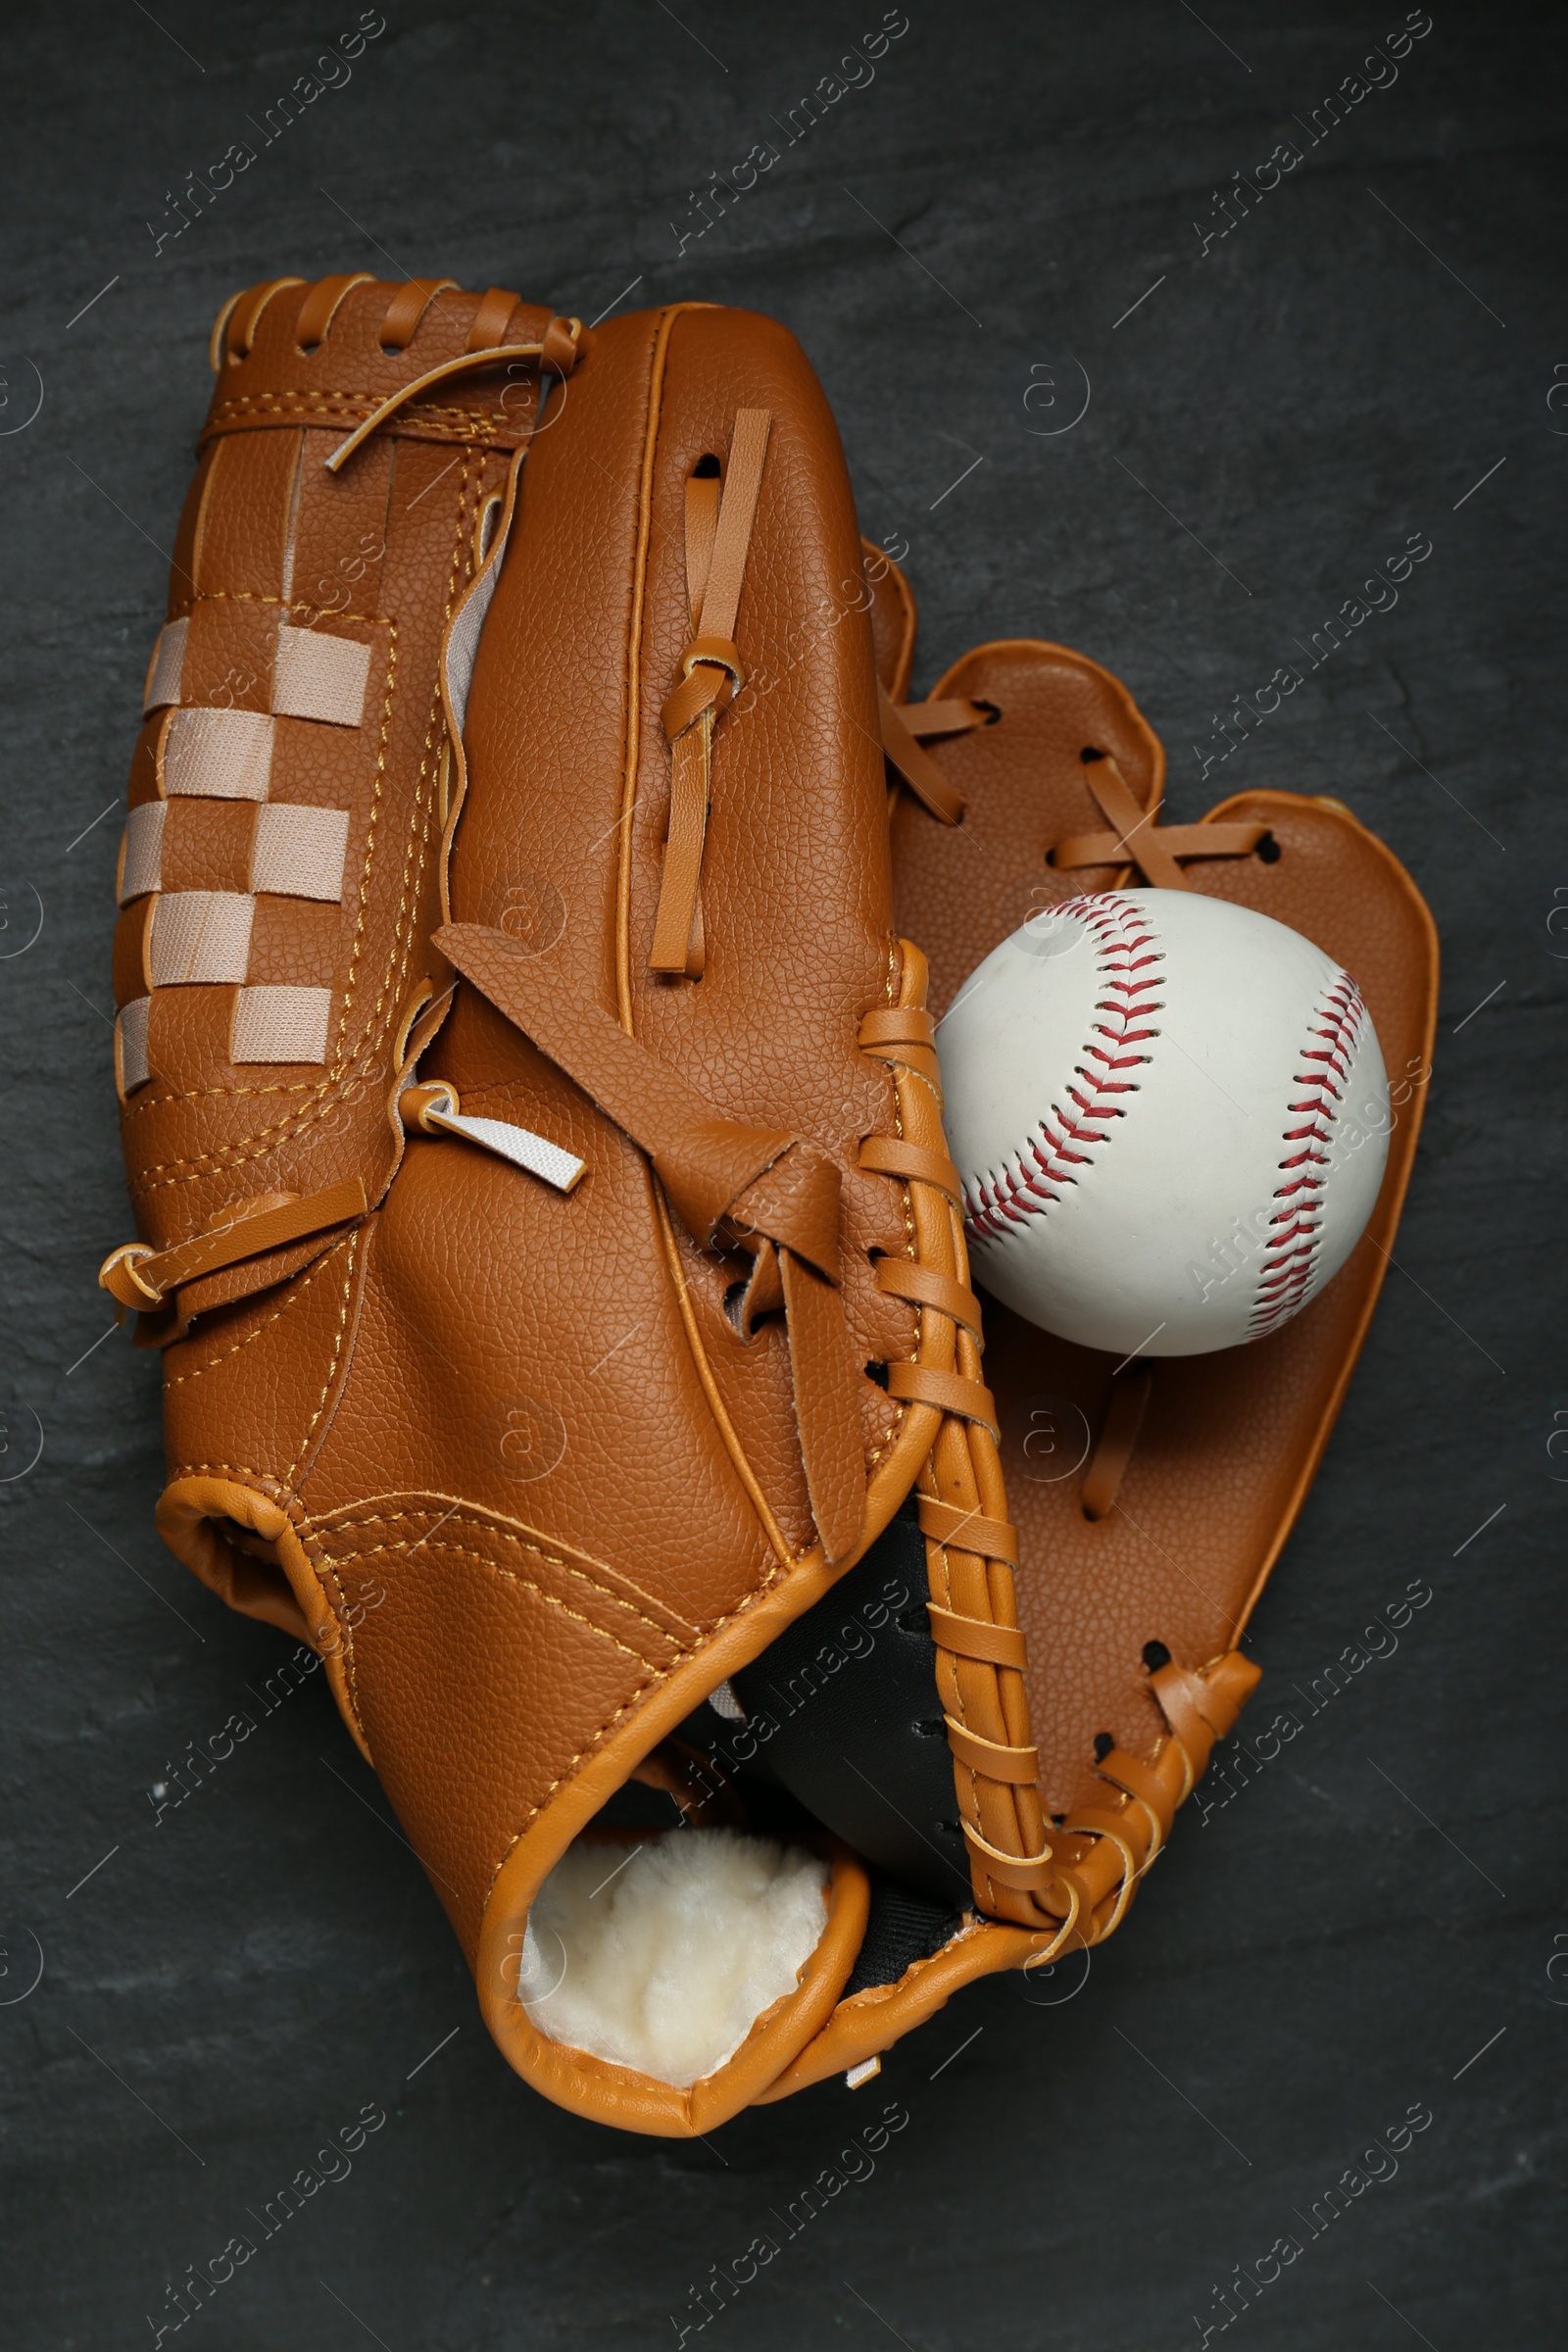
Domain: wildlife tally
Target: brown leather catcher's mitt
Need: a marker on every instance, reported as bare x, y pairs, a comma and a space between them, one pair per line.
532, 1124
1152, 1499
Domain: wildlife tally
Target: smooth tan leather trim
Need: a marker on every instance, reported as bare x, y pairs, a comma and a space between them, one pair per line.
618, 2094
872, 2021
636, 2102
185, 1516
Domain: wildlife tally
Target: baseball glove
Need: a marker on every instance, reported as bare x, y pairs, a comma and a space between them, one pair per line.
531, 1120
1151, 1499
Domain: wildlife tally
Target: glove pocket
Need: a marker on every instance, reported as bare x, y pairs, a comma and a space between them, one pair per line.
662, 1978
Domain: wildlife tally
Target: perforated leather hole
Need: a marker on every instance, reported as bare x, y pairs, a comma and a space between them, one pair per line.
933, 1728
1089, 753
992, 711
878, 1373
914, 1621
1268, 849
1156, 1656
707, 468
1104, 1741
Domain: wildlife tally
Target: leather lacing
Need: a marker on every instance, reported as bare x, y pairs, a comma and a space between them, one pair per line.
971, 1551
720, 518
1140, 846
1076, 1876
236, 328
136, 1276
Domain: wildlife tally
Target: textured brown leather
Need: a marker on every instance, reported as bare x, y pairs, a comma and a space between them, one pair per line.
375, 560
590, 1449
1191, 1470
1199, 1497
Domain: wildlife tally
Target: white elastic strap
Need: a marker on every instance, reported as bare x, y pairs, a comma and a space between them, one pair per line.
199, 936
297, 853
280, 1024
218, 755
314, 676
519, 1145
144, 851
130, 1044
164, 668
462, 646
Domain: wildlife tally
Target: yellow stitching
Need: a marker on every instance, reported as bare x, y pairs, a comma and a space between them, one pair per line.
487, 1527
662, 1676
207, 1162
900, 1415
370, 856
435, 722
341, 408
296, 1294
302, 1528
225, 1158
307, 1538
461, 1551
352, 1245
285, 603
237, 1469
365, 1512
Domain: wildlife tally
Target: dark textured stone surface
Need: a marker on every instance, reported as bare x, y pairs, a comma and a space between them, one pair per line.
1384, 1900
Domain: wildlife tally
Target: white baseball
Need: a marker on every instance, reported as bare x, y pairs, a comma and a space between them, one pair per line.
1171, 1119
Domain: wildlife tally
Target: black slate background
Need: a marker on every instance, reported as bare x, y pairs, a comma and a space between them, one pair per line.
1386, 1899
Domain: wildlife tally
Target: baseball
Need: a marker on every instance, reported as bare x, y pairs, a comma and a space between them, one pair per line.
1170, 1116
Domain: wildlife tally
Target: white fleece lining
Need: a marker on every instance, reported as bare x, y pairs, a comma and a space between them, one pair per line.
664, 1962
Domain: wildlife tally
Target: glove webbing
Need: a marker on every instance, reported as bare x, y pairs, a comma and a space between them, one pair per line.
971, 1549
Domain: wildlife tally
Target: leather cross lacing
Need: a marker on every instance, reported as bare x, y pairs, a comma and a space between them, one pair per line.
135, 1275
719, 516
1139, 845
971, 1551
1078, 1876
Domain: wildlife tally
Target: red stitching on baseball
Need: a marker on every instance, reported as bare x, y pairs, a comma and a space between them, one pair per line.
1123, 938
1288, 1268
